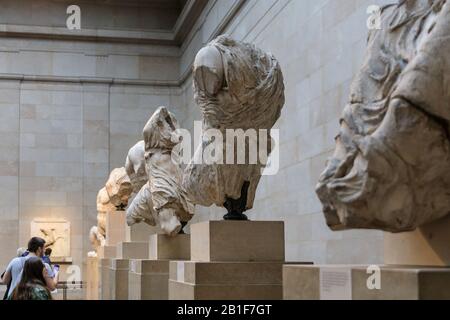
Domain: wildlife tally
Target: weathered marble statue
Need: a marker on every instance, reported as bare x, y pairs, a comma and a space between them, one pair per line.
172, 208
141, 208
237, 86
114, 196
391, 166
119, 188
97, 234
135, 167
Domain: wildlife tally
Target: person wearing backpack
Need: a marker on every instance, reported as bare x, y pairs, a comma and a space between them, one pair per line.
14, 270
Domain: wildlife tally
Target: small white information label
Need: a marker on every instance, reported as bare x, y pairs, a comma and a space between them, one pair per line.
133, 266
180, 271
154, 248
335, 283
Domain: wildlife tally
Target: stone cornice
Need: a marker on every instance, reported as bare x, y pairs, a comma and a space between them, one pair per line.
193, 8
176, 36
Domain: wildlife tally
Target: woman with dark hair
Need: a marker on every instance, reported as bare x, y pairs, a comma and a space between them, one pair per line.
32, 284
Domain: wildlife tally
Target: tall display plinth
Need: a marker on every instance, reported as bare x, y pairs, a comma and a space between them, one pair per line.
119, 267
163, 247
139, 232
118, 279
92, 279
116, 227
365, 282
191, 280
115, 233
238, 241
132, 250
148, 279
106, 252
104, 256
231, 260
103, 272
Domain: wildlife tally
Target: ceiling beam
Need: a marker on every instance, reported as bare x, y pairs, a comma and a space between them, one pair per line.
188, 16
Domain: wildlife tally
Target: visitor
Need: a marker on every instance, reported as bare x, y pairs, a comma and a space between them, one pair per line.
14, 270
32, 282
21, 252
46, 257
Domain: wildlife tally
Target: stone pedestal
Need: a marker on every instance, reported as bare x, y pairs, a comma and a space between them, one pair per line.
132, 250
163, 247
104, 256
116, 227
106, 252
360, 283
119, 267
191, 280
148, 279
103, 271
118, 279
92, 279
404, 283
231, 260
237, 241
139, 232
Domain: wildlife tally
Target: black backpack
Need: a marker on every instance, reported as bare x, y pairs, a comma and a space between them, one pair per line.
8, 286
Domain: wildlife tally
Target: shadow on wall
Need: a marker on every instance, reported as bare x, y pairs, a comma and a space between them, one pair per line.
429, 245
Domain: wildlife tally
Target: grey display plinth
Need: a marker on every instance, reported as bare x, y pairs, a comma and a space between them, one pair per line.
148, 279
365, 282
231, 260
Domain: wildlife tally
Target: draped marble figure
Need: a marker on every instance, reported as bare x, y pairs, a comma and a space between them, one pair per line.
237, 86
135, 167
164, 191
391, 166
140, 207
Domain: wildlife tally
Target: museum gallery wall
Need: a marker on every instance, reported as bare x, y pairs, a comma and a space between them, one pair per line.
112, 146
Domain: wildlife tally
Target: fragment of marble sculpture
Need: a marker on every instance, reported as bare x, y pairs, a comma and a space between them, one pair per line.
164, 192
135, 167
119, 188
141, 208
236, 86
391, 166
114, 196
97, 234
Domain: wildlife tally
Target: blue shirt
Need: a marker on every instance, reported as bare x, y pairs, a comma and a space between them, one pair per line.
15, 268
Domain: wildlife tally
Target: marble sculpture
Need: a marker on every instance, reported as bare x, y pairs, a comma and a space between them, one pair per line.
171, 205
391, 166
236, 86
114, 196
